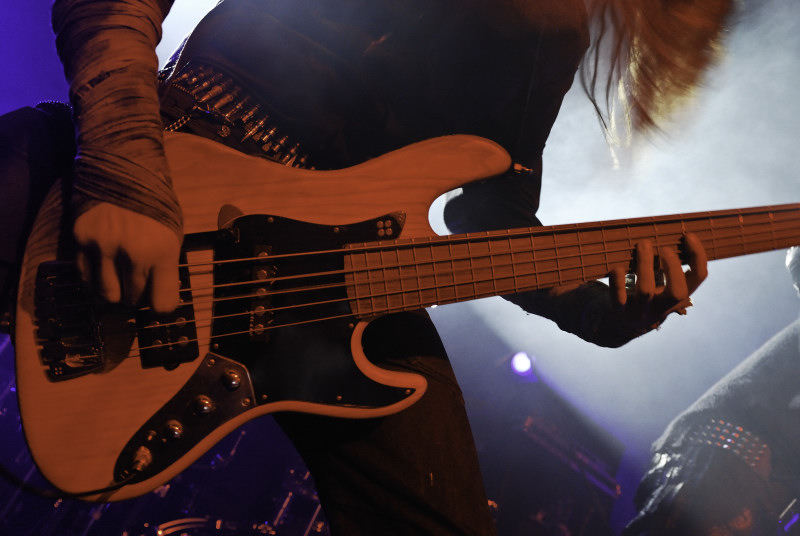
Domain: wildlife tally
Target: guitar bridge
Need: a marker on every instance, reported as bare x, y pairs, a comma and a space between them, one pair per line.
80, 334
67, 327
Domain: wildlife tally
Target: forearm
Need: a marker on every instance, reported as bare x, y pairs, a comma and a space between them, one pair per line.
108, 52
583, 310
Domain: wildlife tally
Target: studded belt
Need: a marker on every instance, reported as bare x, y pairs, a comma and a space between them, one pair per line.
203, 100
724, 435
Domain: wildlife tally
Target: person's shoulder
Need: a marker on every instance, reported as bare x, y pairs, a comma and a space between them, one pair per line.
537, 17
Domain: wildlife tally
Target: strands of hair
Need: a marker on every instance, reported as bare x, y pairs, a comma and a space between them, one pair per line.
647, 57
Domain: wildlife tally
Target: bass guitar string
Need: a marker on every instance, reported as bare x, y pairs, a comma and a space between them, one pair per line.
208, 304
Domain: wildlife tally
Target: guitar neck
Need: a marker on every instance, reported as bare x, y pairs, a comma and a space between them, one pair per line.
412, 274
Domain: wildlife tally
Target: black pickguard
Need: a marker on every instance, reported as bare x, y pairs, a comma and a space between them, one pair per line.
289, 310
281, 332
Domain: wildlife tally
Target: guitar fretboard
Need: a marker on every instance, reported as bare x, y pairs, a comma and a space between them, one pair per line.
405, 275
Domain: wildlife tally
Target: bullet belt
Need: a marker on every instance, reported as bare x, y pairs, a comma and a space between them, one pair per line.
724, 435
203, 100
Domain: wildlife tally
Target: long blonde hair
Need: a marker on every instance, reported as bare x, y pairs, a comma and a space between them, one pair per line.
648, 55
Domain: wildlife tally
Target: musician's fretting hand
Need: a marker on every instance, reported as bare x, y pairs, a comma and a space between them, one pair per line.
124, 253
649, 302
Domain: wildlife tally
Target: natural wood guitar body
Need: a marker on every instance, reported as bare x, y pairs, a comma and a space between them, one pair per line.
77, 429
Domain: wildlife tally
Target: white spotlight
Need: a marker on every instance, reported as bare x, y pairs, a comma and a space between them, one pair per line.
522, 364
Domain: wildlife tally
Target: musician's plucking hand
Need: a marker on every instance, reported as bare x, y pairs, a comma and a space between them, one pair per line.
128, 257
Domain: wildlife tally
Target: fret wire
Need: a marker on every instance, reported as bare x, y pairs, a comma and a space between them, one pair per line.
473, 284
491, 265
386, 286
416, 268
452, 269
436, 275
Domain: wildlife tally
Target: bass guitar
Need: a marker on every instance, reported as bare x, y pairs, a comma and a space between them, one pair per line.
282, 270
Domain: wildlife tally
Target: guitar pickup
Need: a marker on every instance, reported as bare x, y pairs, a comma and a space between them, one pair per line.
260, 311
167, 340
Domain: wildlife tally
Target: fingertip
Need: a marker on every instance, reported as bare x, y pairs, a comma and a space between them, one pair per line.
670, 262
645, 268
136, 286
698, 257
83, 266
616, 280
644, 255
676, 286
645, 245
668, 257
695, 245
165, 288
109, 281
165, 303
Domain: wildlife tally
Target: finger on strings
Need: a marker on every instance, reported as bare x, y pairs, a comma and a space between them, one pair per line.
698, 262
616, 280
108, 280
137, 280
645, 269
164, 287
84, 267
676, 287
